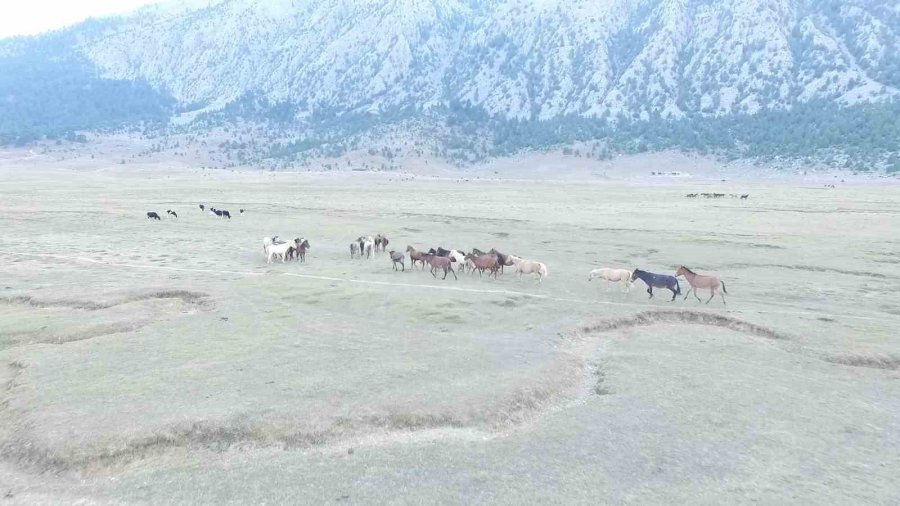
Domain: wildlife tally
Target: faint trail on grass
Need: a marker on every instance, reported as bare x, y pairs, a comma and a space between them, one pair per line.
494, 291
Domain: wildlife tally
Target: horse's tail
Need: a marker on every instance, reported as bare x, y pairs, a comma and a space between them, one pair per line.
723, 288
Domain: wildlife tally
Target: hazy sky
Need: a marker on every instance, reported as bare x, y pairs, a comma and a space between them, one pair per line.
26, 17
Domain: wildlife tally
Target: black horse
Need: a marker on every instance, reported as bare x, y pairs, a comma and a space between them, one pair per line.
226, 214
153, 215
657, 281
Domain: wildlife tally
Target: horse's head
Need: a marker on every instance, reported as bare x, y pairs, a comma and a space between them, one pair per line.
431, 251
634, 275
305, 243
681, 270
409, 249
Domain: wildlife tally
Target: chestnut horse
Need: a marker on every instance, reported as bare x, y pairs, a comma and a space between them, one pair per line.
702, 281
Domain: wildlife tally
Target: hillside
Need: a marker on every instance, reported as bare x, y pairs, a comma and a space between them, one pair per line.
473, 78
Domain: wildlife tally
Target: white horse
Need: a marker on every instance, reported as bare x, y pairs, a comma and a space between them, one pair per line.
368, 247
459, 258
613, 276
529, 267
279, 250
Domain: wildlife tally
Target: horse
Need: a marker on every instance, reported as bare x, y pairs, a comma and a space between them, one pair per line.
226, 214
153, 215
282, 250
745, 196
381, 242
613, 275
503, 259
218, 213
397, 258
529, 267
484, 262
698, 281
268, 241
172, 213
415, 256
202, 208
459, 258
367, 248
657, 281
300, 247
354, 250
477, 252
242, 212
437, 262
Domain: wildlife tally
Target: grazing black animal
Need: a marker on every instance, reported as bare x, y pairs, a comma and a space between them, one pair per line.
745, 196
202, 207
153, 215
242, 212
218, 213
226, 214
171, 213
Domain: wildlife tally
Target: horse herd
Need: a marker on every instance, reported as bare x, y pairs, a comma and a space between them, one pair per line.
745, 196
221, 213
492, 262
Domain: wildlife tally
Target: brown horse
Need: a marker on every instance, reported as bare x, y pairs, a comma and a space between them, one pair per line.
485, 262
437, 262
415, 256
702, 281
504, 260
300, 249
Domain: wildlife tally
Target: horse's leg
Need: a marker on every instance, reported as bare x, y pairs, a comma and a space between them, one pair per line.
695, 294
650, 291
691, 287
723, 298
674, 293
712, 293
454, 273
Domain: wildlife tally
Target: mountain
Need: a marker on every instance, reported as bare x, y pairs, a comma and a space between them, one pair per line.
507, 62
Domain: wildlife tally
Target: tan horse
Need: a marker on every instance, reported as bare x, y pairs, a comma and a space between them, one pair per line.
613, 276
529, 267
702, 281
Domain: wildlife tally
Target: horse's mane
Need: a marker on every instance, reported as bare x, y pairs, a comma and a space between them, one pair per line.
688, 270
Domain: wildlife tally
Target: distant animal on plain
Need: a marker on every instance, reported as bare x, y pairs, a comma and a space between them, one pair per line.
279, 250
486, 262
202, 207
171, 213
242, 212
702, 281
153, 215
529, 267
300, 248
503, 259
745, 196
613, 276
415, 256
657, 281
354, 250
459, 258
226, 214
442, 263
397, 258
